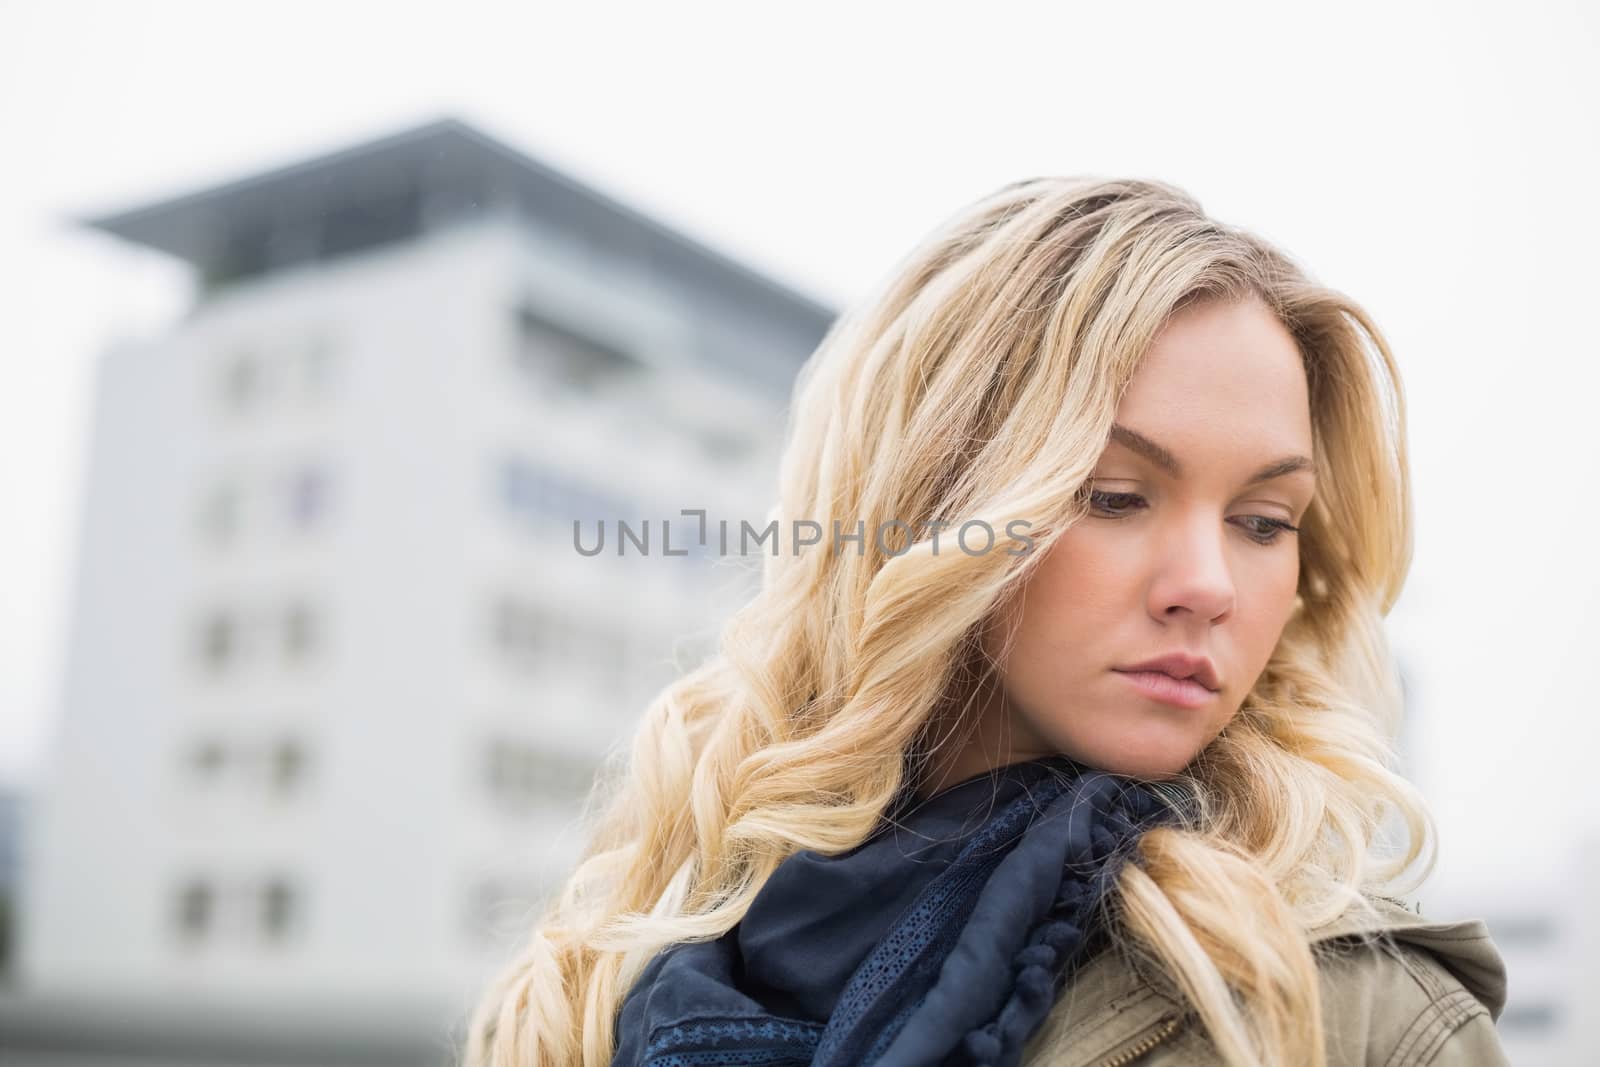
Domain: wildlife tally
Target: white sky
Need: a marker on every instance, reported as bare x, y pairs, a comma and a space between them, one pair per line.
1437, 161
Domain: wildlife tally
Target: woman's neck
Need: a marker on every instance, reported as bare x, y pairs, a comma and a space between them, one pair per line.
993, 736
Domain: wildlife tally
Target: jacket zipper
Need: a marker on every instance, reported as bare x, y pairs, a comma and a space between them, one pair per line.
1130, 1054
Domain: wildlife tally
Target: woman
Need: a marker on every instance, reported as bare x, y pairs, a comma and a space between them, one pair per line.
1082, 753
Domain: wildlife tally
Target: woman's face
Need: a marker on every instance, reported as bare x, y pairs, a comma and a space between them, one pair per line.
1183, 552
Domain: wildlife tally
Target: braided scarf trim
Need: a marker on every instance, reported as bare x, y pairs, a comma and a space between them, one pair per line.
920, 939
1041, 968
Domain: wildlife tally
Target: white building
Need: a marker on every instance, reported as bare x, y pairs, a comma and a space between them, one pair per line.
1541, 915
1536, 902
337, 676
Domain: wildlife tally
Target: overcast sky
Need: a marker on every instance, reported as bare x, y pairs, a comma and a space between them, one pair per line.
1437, 161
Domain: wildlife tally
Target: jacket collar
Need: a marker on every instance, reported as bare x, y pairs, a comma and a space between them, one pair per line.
1463, 946
1112, 1005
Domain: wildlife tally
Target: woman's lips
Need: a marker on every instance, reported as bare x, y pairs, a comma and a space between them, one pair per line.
1180, 692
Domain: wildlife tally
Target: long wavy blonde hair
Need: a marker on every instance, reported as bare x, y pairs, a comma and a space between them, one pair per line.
979, 381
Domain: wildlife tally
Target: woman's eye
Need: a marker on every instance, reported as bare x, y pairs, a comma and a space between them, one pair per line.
1262, 529
1115, 503
1267, 529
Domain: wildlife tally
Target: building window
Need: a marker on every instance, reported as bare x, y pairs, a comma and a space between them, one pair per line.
219, 514
196, 909
308, 490
288, 765
275, 768
300, 631
507, 623
207, 760
316, 365
277, 904
523, 774
535, 638
242, 380
223, 636
528, 636
302, 499
723, 446
219, 640
523, 636
551, 355
269, 909
541, 498
502, 773
302, 365
515, 490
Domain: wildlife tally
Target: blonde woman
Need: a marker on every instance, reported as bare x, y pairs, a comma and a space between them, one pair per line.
1070, 742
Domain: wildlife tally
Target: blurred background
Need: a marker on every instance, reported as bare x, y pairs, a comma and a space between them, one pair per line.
324, 321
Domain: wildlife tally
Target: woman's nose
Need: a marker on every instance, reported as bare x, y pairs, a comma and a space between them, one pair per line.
1194, 576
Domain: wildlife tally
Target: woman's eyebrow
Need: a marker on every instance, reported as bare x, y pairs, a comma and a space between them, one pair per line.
1164, 459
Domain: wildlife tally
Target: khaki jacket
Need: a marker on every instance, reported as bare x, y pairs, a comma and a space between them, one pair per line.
1398, 990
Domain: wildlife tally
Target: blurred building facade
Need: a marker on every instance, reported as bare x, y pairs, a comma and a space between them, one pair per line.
13, 806
337, 677
1546, 928
1539, 914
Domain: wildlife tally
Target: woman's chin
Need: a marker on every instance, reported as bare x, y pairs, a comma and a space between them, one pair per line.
1153, 758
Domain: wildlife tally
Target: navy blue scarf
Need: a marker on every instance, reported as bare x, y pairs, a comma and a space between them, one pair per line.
943, 939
